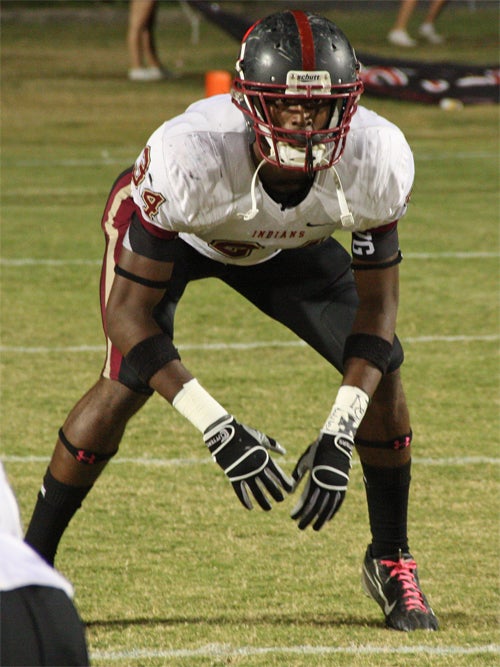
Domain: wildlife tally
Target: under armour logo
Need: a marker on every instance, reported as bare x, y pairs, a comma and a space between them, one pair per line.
84, 457
402, 444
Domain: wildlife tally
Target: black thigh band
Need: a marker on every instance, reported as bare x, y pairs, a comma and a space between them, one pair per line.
156, 284
374, 349
400, 442
84, 455
147, 357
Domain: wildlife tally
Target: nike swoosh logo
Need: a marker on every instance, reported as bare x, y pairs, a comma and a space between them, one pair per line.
377, 583
389, 607
322, 224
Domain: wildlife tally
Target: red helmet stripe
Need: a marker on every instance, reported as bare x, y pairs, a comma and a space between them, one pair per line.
306, 40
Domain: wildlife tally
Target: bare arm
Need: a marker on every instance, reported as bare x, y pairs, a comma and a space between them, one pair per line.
241, 452
378, 291
328, 459
130, 316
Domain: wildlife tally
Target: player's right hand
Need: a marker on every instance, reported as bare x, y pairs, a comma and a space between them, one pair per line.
243, 454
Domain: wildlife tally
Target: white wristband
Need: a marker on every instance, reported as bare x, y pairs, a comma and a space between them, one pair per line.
350, 406
197, 406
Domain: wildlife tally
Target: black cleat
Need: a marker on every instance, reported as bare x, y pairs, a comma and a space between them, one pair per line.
392, 581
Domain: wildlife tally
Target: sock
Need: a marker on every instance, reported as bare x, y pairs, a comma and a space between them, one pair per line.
387, 492
56, 504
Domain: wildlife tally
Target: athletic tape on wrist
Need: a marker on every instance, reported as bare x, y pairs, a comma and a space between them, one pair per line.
147, 357
347, 412
197, 406
374, 349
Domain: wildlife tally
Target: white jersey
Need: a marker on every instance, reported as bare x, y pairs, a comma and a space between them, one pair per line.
20, 565
195, 178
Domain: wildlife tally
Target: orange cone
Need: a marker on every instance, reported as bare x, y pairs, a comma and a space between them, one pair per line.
217, 82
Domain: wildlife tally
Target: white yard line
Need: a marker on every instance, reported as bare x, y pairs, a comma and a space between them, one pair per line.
450, 461
226, 651
127, 156
34, 261
58, 349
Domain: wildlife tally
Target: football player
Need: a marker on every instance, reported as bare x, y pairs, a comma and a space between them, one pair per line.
249, 187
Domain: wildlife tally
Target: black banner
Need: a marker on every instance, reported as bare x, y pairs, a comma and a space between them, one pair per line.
411, 80
429, 82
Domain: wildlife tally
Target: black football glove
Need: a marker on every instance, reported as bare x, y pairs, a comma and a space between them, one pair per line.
243, 454
328, 461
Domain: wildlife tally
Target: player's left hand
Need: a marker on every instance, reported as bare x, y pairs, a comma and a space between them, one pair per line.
328, 462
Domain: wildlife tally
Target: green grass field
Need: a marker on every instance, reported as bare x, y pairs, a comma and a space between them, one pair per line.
168, 568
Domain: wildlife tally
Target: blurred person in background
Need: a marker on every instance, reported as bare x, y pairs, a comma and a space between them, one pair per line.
144, 63
399, 33
39, 624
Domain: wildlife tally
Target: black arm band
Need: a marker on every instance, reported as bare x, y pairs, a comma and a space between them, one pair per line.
156, 284
374, 349
147, 357
381, 265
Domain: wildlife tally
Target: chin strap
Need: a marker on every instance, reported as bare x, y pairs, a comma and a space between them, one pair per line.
346, 217
251, 213
345, 214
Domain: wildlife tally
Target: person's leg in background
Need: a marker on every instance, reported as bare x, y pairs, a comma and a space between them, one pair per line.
144, 62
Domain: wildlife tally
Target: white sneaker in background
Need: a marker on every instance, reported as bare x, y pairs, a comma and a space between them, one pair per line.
147, 74
401, 38
428, 32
